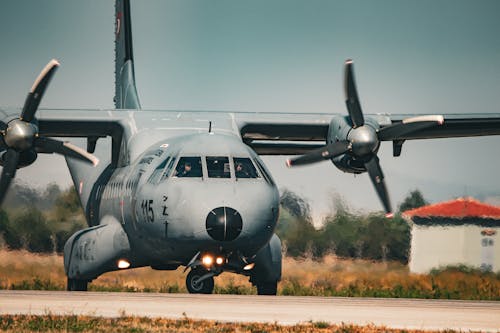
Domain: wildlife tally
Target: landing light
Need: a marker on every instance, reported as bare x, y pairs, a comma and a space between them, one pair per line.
219, 260
207, 260
249, 267
122, 264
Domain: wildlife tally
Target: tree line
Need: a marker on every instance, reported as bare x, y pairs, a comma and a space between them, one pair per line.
344, 233
39, 221
42, 221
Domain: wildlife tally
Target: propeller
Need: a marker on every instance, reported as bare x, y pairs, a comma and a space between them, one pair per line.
324, 153
21, 140
364, 139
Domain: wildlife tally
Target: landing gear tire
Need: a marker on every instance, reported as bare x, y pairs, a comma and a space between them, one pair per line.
194, 287
77, 285
267, 288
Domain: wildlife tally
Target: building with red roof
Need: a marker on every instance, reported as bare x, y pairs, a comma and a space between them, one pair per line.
461, 231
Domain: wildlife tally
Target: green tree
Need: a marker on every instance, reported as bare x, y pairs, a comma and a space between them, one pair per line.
295, 204
49, 196
295, 227
344, 233
10, 238
413, 200
33, 232
67, 204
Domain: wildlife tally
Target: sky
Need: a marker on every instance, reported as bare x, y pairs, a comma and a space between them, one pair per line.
411, 57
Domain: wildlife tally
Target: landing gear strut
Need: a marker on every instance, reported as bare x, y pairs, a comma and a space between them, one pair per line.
267, 288
195, 286
77, 285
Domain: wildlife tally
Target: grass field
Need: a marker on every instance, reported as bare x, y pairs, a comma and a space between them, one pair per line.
51, 323
329, 277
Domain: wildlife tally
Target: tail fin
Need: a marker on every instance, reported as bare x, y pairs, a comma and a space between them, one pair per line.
125, 91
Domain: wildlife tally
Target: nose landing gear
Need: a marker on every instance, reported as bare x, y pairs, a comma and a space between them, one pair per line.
200, 281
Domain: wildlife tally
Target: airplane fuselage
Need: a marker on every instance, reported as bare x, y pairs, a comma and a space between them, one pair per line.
170, 216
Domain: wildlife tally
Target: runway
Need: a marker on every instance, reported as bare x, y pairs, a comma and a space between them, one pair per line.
395, 313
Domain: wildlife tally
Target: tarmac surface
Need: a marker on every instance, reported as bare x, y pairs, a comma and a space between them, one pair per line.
394, 313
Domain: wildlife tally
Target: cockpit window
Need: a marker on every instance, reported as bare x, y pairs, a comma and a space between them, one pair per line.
188, 167
155, 176
244, 168
218, 167
264, 172
168, 169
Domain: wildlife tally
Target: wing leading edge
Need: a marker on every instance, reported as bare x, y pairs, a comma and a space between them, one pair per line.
291, 134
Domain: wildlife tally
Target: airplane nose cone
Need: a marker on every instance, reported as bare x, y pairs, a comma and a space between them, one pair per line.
224, 224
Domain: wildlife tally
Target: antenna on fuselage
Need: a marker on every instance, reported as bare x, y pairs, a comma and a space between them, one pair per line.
210, 126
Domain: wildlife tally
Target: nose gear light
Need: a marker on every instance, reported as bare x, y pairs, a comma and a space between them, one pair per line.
207, 260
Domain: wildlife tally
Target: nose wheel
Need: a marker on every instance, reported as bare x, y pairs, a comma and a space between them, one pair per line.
197, 281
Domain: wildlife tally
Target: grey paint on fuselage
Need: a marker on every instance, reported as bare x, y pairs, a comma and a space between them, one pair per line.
165, 220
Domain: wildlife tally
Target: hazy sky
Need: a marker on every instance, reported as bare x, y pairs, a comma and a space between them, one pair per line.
427, 57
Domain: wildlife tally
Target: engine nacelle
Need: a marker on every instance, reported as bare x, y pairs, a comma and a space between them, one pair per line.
25, 158
341, 129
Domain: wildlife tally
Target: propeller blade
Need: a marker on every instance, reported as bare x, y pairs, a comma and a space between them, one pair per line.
37, 90
3, 128
47, 145
408, 126
352, 100
377, 178
11, 158
320, 154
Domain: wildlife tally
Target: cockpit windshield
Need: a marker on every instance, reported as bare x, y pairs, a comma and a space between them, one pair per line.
188, 167
218, 167
244, 168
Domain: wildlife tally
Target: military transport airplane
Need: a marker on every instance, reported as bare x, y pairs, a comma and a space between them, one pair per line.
177, 188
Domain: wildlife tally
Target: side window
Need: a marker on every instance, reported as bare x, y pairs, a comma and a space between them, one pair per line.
168, 169
155, 176
188, 167
218, 167
263, 171
244, 168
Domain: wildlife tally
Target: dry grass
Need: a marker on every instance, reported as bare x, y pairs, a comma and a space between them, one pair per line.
329, 277
51, 323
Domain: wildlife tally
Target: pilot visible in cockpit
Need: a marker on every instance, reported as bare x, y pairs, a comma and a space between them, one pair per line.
186, 171
241, 171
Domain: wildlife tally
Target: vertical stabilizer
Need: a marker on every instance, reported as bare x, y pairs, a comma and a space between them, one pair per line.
125, 91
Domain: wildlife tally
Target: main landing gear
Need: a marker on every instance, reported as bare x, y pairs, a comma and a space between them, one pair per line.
200, 281
77, 285
267, 288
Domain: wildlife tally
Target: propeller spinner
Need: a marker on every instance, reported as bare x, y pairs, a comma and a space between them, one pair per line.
363, 140
21, 139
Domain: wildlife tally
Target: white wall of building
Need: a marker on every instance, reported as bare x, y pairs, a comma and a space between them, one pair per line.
438, 246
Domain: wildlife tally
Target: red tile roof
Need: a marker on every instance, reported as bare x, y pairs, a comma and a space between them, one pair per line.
458, 208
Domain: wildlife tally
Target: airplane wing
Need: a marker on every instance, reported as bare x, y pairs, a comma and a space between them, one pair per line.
292, 134
350, 144
266, 133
